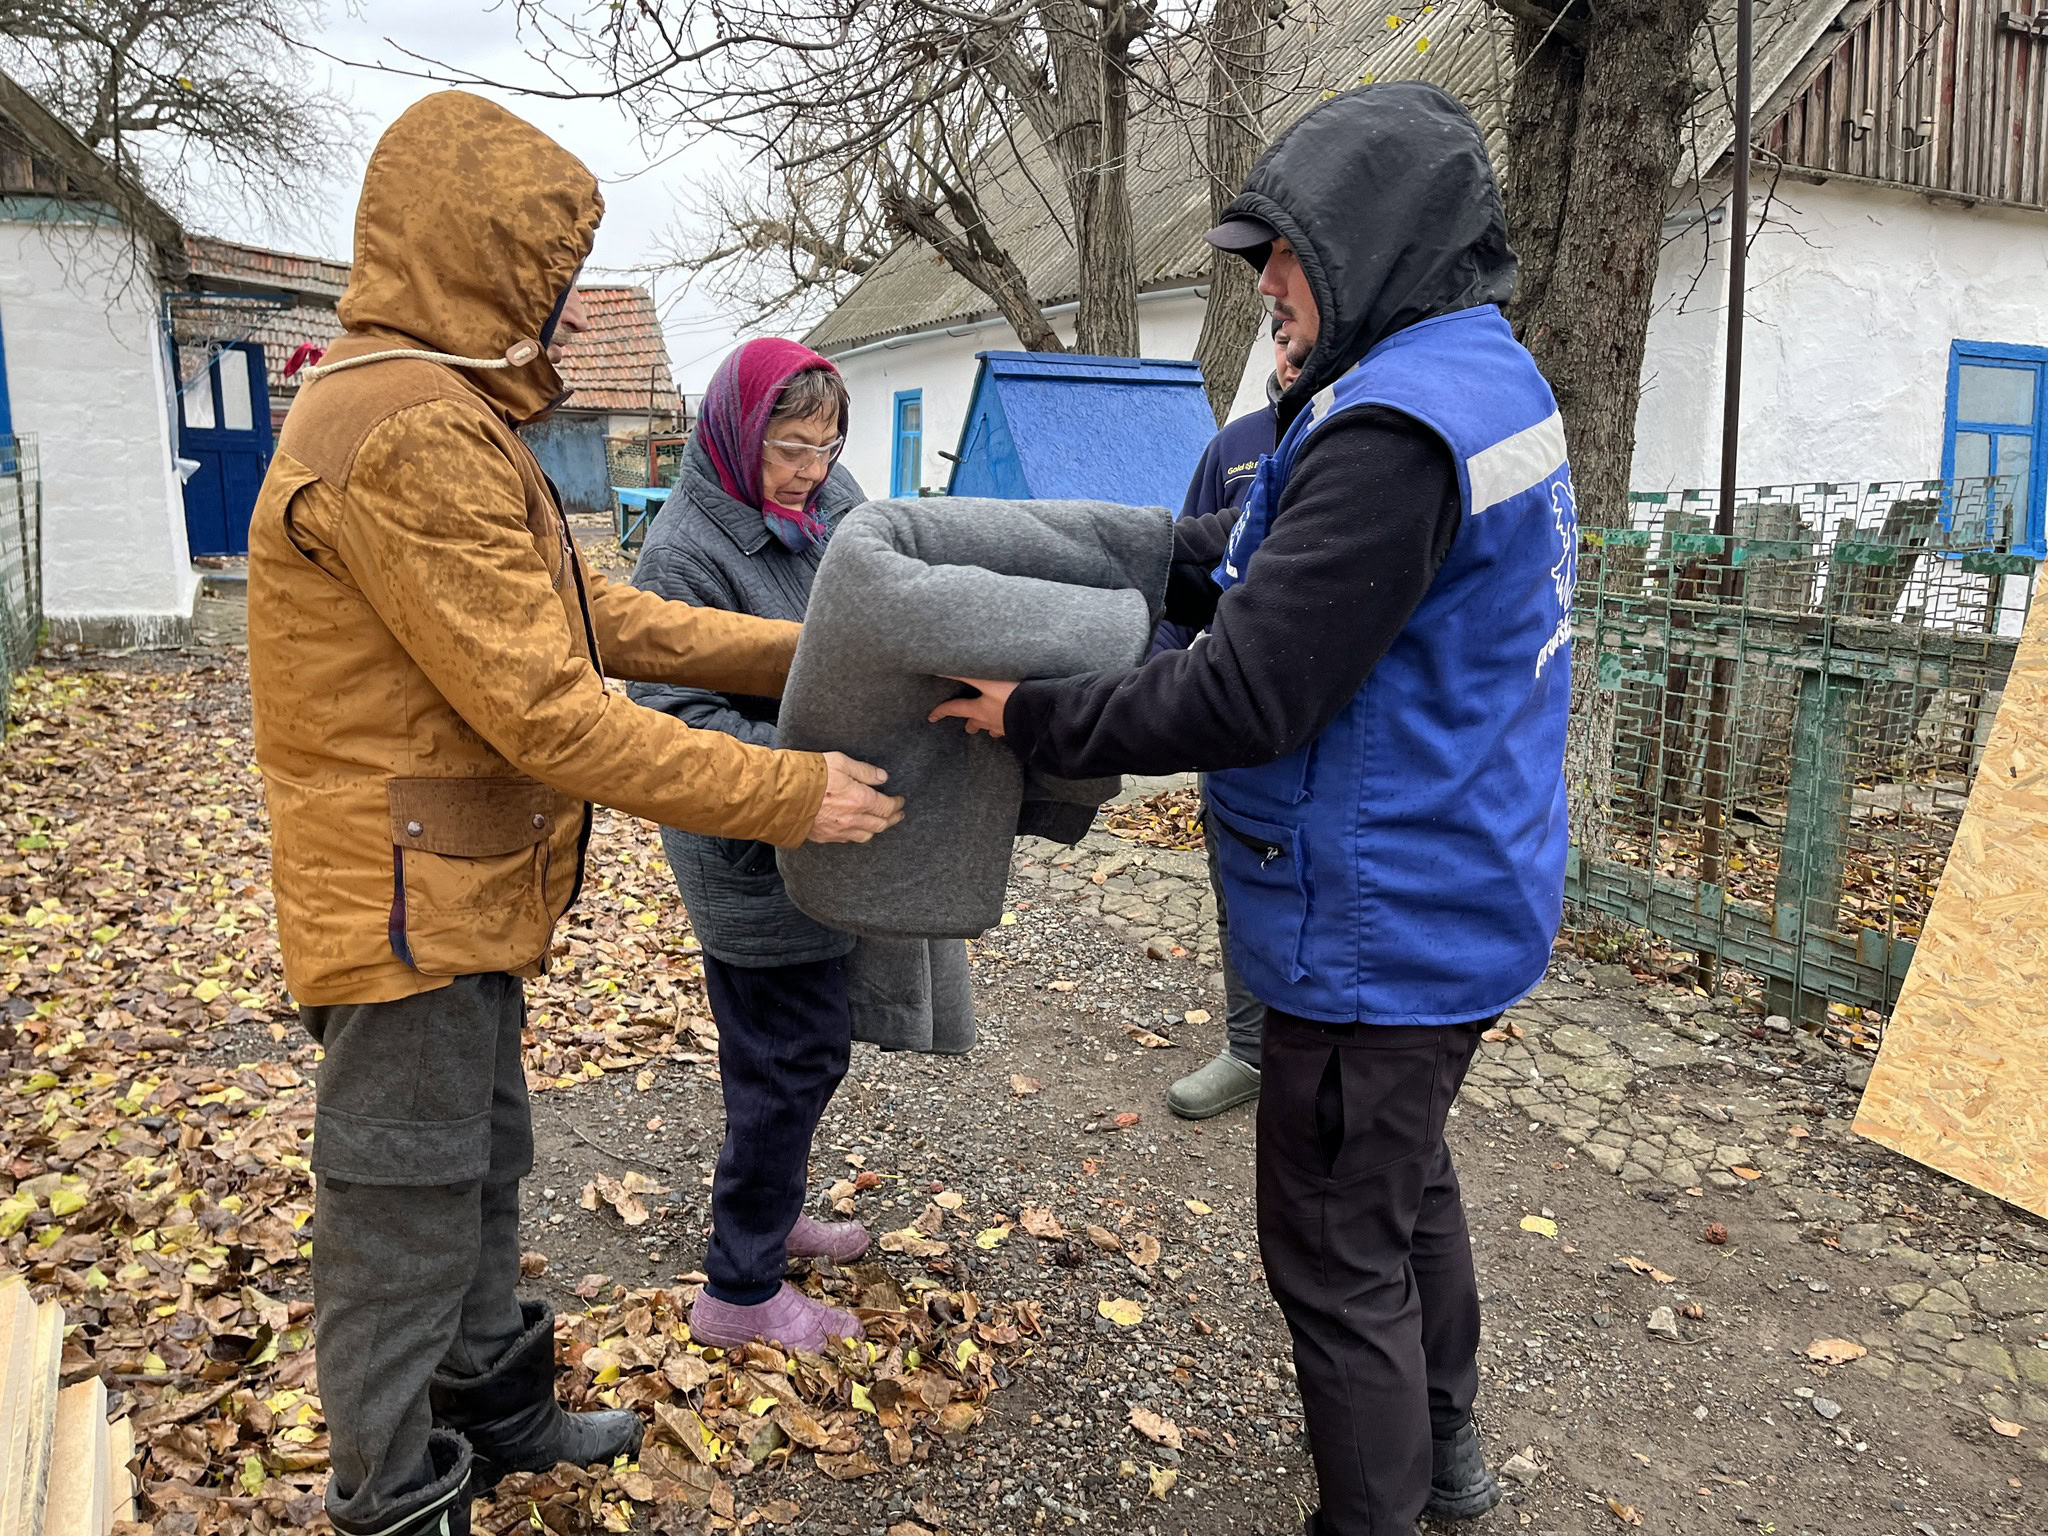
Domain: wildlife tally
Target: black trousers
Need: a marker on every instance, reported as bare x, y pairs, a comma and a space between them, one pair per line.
1362, 1231
784, 1039
420, 1139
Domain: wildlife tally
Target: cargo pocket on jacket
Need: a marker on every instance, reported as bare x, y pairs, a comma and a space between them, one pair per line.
469, 867
1266, 884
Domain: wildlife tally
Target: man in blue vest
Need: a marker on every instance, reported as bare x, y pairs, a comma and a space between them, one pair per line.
1380, 703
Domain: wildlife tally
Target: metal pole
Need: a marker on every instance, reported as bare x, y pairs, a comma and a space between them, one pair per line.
1714, 782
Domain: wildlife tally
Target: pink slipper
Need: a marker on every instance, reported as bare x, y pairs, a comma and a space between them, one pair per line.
789, 1318
840, 1241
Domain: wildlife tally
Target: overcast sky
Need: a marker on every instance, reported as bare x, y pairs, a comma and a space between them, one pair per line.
639, 198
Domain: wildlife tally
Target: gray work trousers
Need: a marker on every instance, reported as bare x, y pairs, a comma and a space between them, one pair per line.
1244, 1018
420, 1140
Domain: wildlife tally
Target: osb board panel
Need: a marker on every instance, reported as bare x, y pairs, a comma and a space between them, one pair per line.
1961, 1083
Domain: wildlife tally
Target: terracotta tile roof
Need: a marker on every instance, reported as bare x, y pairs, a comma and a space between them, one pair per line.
609, 366
227, 264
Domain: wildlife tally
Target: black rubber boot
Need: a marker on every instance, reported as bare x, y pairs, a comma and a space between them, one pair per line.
439, 1509
1461, 1485
511, 1419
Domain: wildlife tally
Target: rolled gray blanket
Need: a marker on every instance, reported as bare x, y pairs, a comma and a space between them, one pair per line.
909, 593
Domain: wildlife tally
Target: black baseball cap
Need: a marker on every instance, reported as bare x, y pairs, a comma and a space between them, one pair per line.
1246, 236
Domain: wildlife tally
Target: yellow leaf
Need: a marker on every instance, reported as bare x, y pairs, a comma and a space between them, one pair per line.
988, 1237
1422, 45
761, 1406
1009, 920
1196, 1207
1542, 1226
1162, 1479
1125, 1314
207, 990
861, 1400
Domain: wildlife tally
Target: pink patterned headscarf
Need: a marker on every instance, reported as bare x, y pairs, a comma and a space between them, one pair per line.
737, 405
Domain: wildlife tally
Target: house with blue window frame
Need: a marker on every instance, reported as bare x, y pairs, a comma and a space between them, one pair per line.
1898, 260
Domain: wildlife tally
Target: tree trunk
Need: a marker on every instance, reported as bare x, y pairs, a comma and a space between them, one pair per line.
1106, 318
1593, 147
1237, 90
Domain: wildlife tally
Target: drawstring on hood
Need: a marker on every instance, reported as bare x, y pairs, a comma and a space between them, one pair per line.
518, 355
1388, 198
469, 234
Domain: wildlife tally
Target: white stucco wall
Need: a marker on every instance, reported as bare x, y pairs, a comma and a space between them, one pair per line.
86, 376
943, 366
1855, 293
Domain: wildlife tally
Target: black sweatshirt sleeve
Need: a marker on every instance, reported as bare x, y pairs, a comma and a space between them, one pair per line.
1368, 516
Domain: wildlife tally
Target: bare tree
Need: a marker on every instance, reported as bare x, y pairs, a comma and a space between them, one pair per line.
968, 125
206, 102
1234, 135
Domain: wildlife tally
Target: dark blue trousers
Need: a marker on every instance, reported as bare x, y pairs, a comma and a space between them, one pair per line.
784, 1038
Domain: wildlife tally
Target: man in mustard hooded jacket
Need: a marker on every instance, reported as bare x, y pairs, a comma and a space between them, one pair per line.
427, 660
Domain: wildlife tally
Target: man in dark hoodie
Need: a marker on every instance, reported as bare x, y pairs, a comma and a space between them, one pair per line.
1380, 702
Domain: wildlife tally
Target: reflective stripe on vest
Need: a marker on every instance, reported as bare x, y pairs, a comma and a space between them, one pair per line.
1407, 866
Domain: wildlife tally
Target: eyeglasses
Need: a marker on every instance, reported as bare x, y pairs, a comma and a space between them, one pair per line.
801, 455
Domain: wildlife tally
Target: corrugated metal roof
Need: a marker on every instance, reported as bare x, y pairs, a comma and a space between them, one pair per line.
1462, 45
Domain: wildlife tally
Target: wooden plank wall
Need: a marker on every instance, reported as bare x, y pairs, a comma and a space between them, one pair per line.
1940, 95
1961, 1083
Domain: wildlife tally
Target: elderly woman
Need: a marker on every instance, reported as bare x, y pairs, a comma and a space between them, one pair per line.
743, 530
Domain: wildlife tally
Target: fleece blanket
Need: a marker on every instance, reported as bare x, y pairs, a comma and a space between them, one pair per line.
909, 593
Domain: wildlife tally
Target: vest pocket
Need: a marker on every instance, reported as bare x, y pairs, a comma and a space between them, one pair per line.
471, 857
1266, 885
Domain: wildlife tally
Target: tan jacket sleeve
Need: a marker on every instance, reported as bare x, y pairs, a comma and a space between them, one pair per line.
433, 529
645, 638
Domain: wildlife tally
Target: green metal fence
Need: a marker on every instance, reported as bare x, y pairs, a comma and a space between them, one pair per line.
21, 563
1796, 715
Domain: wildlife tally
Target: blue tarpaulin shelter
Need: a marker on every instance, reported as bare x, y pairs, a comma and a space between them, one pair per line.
1063, 426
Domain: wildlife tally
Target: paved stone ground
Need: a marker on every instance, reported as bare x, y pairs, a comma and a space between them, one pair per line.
1674, 1093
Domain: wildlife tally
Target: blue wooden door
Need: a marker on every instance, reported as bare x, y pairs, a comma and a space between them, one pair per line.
224, 426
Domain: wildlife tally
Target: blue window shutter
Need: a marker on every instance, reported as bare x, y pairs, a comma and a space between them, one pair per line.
906, 458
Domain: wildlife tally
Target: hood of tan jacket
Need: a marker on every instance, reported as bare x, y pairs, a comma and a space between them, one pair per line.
471, 227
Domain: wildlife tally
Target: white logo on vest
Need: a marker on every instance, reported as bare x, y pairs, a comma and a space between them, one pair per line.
1564, 512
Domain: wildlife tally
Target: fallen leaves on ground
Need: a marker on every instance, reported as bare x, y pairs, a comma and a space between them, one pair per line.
1170, 819
1023, 1086
1542, 1226
1122, 1312
2006, 1427
1645, 1267
1625, 1513
156, 1108
622, 1195
718, 1417
1161, 1480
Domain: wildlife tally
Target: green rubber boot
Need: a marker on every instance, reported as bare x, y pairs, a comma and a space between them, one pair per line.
1221, 1083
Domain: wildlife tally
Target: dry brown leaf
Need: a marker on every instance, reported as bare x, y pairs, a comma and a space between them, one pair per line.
1024, 1086
1144, 1250
912, 1242
1160, 1431
781, 1511
2006, 1427
1745, 1173
1835, 1351
844, 1469
1105, 1239
1040, 1222
1062, 985
1645, 1267
1146, 1038
1625, 1513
